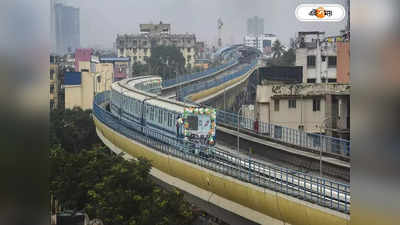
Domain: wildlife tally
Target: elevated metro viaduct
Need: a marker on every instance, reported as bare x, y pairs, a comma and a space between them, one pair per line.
251, 202
226, 96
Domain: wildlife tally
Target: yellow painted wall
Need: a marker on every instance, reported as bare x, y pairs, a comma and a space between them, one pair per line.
84, 65
73, 96
87, 90
281, 207
214, 90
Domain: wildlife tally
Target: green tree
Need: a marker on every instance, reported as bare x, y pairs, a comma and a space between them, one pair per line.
288, 58
139, 69
166, 61
117, 191
277, 49
73, 129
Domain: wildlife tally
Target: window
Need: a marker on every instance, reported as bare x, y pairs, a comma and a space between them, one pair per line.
292, 103
311, 80
160, 115
193, 122
52, 88
169, 119
331, 80
316, 105
51, 104
98, 79
311, 60
276, 105
51, 74
331, 61
165, 117
151, 113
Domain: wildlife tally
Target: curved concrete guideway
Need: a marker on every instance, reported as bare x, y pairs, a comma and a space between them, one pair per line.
254, 203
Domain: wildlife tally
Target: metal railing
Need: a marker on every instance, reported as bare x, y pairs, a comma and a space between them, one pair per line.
193, 76
310, 188
287, 135
190, 89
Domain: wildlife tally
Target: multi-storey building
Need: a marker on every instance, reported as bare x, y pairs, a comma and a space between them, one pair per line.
65, 27
262, 42
161, 28
91, 76
313, 108
53, 82
324, 59
138, 46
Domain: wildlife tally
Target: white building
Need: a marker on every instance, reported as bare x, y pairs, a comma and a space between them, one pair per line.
138, 46
317, 55
306, 107
262, 42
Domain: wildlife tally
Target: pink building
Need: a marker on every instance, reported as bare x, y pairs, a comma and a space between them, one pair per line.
343, 62
82, 54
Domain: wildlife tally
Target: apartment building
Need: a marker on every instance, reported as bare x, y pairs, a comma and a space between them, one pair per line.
138, 46
324, 59
313, 108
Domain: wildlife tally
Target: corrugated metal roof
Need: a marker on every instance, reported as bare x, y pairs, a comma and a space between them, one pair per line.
73, 78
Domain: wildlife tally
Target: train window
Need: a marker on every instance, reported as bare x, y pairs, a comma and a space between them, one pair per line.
169, 119
193, 122
165, 117
151, 113
160, 115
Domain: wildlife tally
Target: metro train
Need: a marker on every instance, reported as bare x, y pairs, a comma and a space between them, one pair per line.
132, 101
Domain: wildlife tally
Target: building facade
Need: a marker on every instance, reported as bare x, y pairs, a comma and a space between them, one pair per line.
122, 66
343, 61
82, 54
54, 84
161, 28
65, 27
324, 59
91, 77
262, 42
313, 108
138, 46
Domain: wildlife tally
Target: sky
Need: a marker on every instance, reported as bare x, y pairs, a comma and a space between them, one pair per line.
102, 20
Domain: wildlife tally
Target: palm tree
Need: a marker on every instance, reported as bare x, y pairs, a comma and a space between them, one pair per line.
277, 49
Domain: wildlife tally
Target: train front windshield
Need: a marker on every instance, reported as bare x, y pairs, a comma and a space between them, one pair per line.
193, 122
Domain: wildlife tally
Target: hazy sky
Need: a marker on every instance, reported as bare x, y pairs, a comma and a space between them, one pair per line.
102, 20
